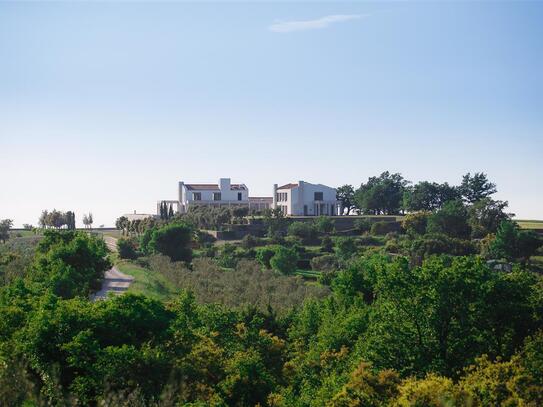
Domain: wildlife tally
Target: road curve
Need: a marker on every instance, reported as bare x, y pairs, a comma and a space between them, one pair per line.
114, 282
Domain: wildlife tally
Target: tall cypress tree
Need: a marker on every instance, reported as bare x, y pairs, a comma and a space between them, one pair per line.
170, 214
162, 210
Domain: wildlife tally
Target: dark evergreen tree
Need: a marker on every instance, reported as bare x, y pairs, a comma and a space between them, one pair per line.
170, 213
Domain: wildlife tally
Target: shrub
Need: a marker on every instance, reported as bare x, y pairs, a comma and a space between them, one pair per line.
249, 241
440, 244
345, 247
227, 256
326, 262
327, 245
391, 246
127, 248
362, 225
415, 223
382, 228
264, 255
303, 230
324, 224
172, 240
284, 260
205, 238
451, 220
368, 240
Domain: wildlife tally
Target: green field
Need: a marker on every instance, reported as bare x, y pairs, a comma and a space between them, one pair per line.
530, 224
147, 282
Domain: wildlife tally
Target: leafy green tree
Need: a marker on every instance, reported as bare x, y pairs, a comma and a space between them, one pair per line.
512, 244
428, 196
451, 220
284, 260
173, 240
5, 226
486, 215
345, 195
127, 248
381, 195
476, 187
70, 263
264, 255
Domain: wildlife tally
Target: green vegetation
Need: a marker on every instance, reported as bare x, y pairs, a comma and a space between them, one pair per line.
444, 308
146, 282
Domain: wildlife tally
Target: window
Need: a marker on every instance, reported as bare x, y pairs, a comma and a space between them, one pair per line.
239, 196
318, 196
197, 196
216, 196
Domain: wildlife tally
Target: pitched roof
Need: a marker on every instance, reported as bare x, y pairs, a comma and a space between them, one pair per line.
288, 186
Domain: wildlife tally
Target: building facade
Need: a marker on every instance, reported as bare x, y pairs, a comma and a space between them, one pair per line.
305, 199
222, 194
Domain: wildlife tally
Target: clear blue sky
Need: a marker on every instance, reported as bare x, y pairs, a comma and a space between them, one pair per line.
104, 107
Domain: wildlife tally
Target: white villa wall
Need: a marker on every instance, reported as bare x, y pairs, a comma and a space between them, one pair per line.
304, 195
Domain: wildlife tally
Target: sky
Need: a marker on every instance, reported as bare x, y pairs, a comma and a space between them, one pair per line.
106, 106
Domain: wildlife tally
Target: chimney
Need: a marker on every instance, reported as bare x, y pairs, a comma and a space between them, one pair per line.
224, 184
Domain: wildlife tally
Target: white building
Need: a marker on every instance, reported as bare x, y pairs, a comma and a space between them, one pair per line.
222, 194
305, 199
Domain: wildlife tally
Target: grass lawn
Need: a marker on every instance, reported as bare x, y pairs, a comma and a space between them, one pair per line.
530, 224
147, 282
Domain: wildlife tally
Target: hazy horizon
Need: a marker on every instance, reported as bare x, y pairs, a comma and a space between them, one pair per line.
104, 107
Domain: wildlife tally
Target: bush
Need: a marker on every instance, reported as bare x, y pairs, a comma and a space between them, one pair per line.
172, 240
415, 223
368, 240
382, 228
127, 248
249, 241
205, 238
322, 263
284, 260
345, 247
362, 225
440, 244
327, 245
324, 224
264, 255
303, 230
391, 246
227, 256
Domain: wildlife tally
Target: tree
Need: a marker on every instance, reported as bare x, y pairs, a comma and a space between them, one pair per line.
274, 220
122, 224
428, 196
126, 248
285, 260
476, 187
381, 195
345, 195
486, 215
512, 244
87, 220
173, 240
451, 220
170, 212
5, 226
70, 263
